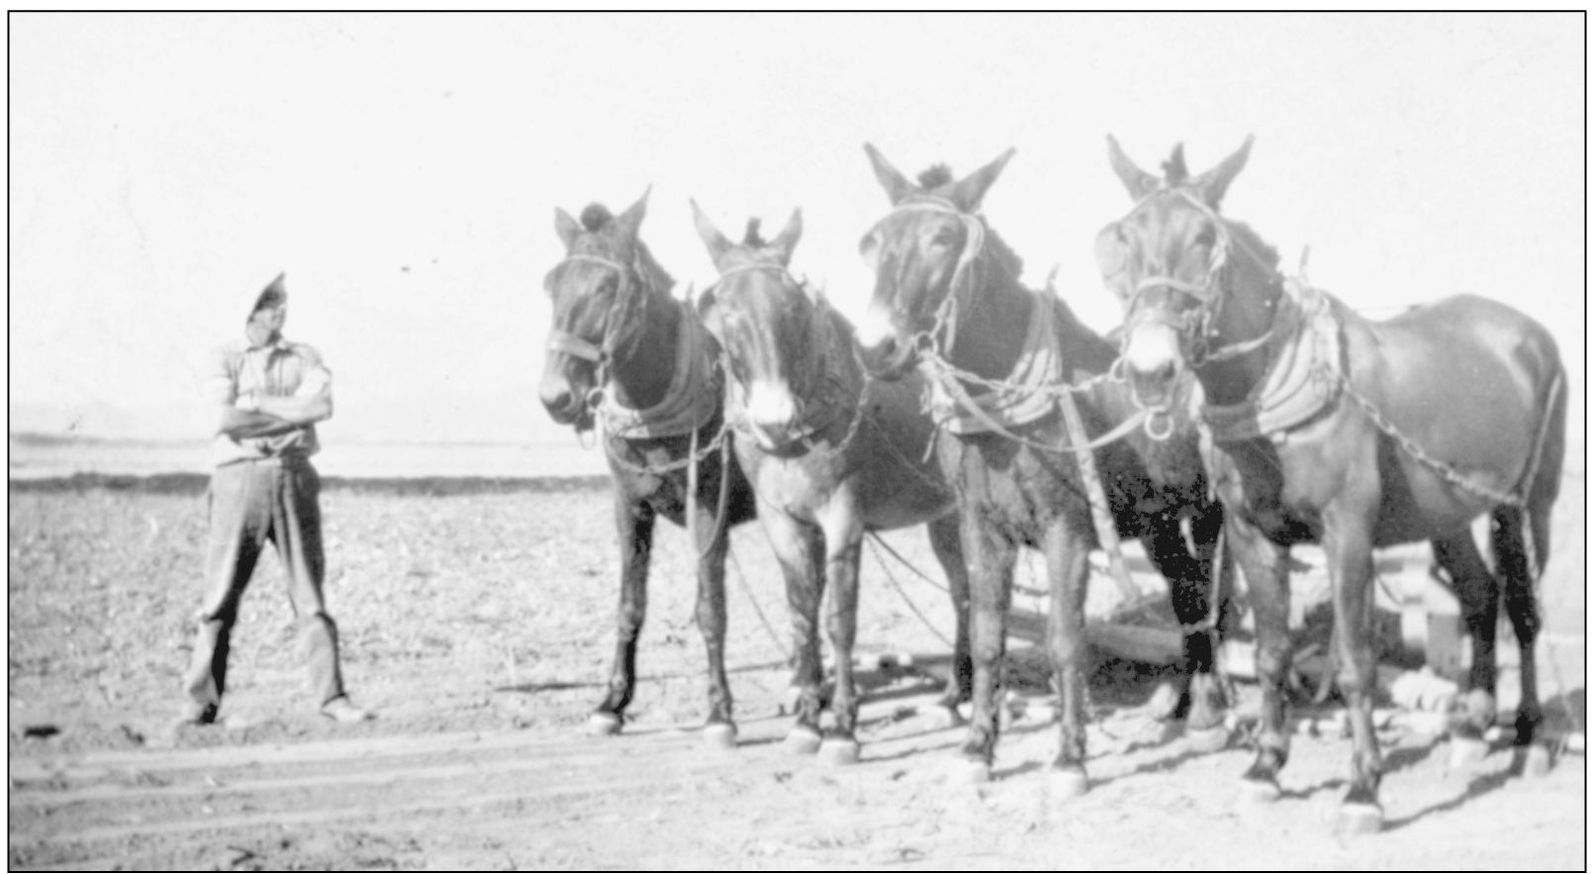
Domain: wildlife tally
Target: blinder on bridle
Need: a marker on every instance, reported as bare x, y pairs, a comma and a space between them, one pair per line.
578, 347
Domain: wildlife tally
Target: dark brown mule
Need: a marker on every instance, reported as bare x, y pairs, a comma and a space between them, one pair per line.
619, 336
831, 455
1354, 434
947, 297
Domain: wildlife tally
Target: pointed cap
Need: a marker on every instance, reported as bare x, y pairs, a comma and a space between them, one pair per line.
274, 294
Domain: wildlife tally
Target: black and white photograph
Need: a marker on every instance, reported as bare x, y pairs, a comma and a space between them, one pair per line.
739, 441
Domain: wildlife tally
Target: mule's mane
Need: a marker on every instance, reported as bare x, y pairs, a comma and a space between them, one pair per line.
595, 216
935, 176
997, 248
1247, 239
751, 237
1175, 172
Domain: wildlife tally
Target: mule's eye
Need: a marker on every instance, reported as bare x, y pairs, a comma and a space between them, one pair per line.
945, 237
1206, 236
870, 248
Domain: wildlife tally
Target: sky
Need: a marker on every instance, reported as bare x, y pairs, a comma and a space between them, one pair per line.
404, 169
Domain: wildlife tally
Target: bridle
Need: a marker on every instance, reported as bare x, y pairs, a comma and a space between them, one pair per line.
823, 373
1194, 325
944, 325
599, 355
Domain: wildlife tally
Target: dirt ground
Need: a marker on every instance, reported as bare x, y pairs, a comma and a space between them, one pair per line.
478, 623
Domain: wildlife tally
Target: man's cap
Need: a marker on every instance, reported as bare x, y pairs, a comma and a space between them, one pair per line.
274, 294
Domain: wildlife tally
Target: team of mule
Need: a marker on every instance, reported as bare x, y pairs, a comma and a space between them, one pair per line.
1239, 411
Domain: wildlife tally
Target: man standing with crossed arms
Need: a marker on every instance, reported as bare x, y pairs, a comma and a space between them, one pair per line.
269, 393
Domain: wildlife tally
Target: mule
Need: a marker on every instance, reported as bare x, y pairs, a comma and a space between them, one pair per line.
947, 299
831, 455
1355, 434
622, 350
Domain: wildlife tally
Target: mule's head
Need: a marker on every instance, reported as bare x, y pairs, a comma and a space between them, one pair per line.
599, 291
1168, 262
919, 253
767, 324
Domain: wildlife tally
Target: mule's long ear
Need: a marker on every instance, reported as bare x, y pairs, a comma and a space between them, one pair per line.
628, 222
568, 228
897, 185
714, 241
787, 240
1136, 180
1211, 186
967, 192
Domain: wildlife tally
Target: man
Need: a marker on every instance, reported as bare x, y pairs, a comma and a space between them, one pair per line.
269, 394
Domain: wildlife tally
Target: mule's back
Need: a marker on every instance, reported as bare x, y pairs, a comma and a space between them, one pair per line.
1464, 353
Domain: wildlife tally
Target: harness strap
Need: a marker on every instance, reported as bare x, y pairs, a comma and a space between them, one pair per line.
1102, 515
596, 259
570, 344
956, 391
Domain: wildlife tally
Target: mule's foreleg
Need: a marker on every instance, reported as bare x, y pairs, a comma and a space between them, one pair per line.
634, 528
1067, 546
799, 550
1348, 545
712, 544
844, 539
1264, 564
991, 556
944, 534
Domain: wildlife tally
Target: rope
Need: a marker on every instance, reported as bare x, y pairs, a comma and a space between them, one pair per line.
881, 544
691, 460
954, 389
763, 620
876, 542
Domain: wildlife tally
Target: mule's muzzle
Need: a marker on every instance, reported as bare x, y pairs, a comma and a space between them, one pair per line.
771, 414
1152, 363
890, 358
565, 404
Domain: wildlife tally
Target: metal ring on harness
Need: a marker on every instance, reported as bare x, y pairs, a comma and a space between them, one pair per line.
594, 397
1157, 415
924, 343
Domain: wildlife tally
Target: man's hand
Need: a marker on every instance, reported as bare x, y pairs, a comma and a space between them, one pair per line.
237, 423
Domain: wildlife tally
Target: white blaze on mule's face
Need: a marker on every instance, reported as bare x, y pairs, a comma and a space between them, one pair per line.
875, 327
771, 408
1153, 349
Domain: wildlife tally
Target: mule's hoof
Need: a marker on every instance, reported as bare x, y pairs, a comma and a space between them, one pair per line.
947, 716
1359, 818
802, 740
1067, 783
1537, 760
967, 771
1254, 791
721, 735
600, 723
839, 752
1210, 740
1466, 753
